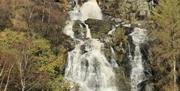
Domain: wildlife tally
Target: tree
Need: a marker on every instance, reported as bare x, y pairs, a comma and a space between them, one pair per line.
165, 51
32, 56
28, 64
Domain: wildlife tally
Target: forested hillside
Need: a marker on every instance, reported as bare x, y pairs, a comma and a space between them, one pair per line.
31, 45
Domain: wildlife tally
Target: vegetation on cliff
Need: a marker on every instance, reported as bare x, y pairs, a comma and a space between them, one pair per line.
165, 50
32, 56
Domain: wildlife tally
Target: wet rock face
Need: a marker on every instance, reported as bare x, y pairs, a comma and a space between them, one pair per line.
79, 30
99, 28
120, 11
144, 50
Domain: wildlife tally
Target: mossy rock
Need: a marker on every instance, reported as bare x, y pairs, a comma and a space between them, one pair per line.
99, 27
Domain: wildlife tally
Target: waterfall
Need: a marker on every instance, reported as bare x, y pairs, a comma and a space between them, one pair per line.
113, 56
88, 34
137, 72
89, 9
89, 68
87, 65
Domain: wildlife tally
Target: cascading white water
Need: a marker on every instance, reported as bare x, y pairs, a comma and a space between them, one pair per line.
137, 72
113, 56
87, 66
91, 10
88, 10
112, 30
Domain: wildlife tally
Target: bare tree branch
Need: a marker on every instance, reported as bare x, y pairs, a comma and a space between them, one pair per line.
7, 83
2, 70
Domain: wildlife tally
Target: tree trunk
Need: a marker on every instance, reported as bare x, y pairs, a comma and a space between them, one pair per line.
7, 83
174, 75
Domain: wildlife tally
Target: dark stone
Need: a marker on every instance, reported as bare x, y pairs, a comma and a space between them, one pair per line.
126, 65
69, 44
145, 85
132, 46
128, 30
56, 0
144, 50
